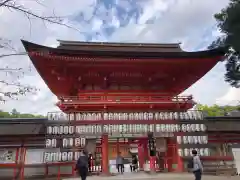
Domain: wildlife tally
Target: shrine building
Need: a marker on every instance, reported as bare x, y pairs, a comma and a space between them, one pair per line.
123, 97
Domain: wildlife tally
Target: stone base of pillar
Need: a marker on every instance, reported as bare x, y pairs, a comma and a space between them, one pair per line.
152, 163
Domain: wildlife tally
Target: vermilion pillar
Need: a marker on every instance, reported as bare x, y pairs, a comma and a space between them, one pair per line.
105, 161
140, 155
180, 167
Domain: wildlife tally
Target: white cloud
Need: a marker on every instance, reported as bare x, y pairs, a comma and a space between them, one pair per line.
232, 97
185, 21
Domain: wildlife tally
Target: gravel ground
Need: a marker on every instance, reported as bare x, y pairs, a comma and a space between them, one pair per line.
142, 176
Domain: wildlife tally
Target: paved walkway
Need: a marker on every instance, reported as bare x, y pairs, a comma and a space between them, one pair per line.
168, 176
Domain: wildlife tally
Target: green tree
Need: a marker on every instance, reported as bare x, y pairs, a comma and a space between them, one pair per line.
216, 110
16, 114
229, 24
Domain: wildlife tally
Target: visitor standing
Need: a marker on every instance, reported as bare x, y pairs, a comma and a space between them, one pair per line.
195, 165
82, 165
120, 163
134, 164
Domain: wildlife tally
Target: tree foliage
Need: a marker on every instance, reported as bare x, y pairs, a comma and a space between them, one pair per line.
16, 114
229, 24
18, 89
216, 110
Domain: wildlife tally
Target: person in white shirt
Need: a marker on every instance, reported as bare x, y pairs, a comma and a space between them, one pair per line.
197, 166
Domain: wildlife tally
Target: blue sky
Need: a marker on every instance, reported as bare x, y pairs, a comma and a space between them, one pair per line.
190, 22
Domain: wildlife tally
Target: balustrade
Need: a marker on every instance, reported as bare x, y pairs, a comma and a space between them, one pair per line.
124, 98
189, 115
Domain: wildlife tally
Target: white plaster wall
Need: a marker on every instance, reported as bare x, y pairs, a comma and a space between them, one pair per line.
35, 156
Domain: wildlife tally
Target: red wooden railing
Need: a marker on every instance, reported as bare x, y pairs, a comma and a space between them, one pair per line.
101, 98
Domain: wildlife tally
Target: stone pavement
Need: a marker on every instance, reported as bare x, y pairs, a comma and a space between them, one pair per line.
163, 176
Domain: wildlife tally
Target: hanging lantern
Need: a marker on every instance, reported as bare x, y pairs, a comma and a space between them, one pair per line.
206, 152
186, 152
190, 139
181, 116
70, 142
160, 116
53, 156
203, 127
179, 139
62, 117
54, 143
47, 157
180, 152
193, 127
167, 128
49, 130
61, 130
89, 116
70, 156
158, 128
50, 116
71, 129
195, 139
199, 139
175, 116
48, 143
105, 116
55, 130
166, 116
65, 142
76, 155
201, 152
71, 117
84, 116
65, 129
200, 115
185, 140
188, 127
64, 156
171, 116
198, 128
163, 128
83, 141
178, 127
184, 128
205, 139
77, 142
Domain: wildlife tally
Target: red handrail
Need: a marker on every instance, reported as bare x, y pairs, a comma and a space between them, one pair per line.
124, 98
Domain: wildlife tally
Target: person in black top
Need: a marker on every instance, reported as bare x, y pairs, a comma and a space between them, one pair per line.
89, 162
134, 165
82, 165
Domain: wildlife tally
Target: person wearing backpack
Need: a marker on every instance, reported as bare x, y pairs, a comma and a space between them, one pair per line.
82, 165
195, 165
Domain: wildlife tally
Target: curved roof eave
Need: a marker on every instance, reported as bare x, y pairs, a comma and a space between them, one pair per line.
221, 51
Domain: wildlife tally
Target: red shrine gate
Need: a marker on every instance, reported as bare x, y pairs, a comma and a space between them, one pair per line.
114, 90
104, 138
